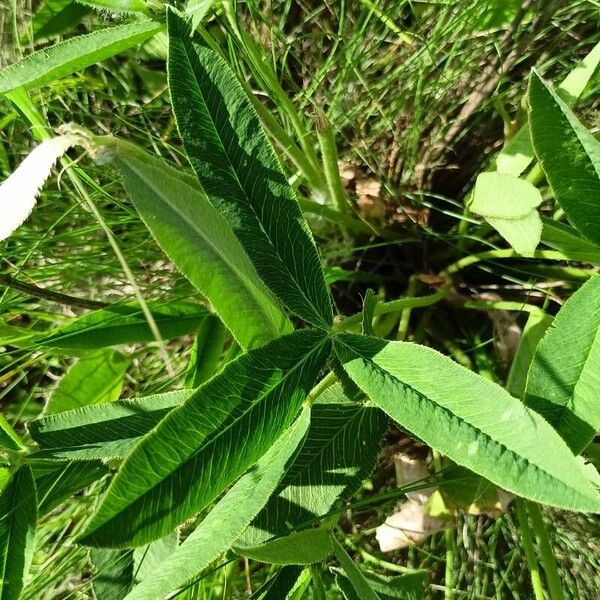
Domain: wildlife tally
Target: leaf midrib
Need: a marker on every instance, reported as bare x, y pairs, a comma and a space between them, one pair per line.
8, 540
231, 266
108, 326
358, 415
461, 419
233, 171
211, 439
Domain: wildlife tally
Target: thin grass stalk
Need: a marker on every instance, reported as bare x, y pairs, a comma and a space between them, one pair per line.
532, 565
546, 553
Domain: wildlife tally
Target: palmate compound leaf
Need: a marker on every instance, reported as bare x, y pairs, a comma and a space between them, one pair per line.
339, 452
102, 431
18, 515
200, 243
563, 383
471, 420
569, 156
206, 443
241, 175
228, 518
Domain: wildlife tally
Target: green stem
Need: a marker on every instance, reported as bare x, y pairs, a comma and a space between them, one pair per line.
472, 259
330, 163
405, 314
534, 572
50, 295
318, 587
286, 144
393, 306
326, 212
266, 75
449, 575
546, 553
500, 305
325, 383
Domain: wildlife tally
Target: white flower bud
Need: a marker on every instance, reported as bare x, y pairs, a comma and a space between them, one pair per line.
19, 192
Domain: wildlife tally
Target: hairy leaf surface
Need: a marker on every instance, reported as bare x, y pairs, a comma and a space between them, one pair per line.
473, 421
206, 352
567, 240
563, 384
104, 431
518, 153
201, 245
126, 324
18, 514
49, 64
339, 452
94, 379
224, 523
205, 444
297, 548
241, 174
569, 156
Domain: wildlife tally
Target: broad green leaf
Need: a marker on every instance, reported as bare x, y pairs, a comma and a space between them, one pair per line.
201, 245
113, 573
57, 483
356, 577
279, 585
563, 384
569, 156
241, 175
101, 431
339, 452
405, 587
126, 324
149, 559
537, 324
73, 55
568, 241
300, 548
518, 152
118, 6
226, 521
504, 196
574, 85
56, 17
522, 234
206, 352
94, 379
198, 9
9, 439
18, 515
202, 446
4, 477
509, 205
15, 336
473, 421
